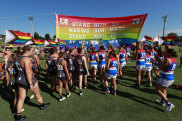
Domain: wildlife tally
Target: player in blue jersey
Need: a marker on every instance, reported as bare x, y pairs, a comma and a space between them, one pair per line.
111, 71
93, 58
166, 79
122, 60
140, 62
128, 49
148, 66
102, 62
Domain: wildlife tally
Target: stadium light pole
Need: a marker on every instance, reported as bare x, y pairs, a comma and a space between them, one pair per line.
31, 19
164, 19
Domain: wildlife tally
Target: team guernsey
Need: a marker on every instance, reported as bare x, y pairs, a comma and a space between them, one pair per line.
11, 68
93, 60
80, 68
112, 70
51, 67
122, 58
70, 63
35, 66
152, 54
156, 65
148, 63
140, 63
61, 75
102, 61
128, 49
21, 76
167, 74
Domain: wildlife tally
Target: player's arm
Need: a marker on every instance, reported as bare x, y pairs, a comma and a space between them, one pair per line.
28, 71
85, 64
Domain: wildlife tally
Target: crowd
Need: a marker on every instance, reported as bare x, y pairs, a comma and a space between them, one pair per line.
20, 70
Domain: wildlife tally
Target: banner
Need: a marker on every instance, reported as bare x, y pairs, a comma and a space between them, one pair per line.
125, 30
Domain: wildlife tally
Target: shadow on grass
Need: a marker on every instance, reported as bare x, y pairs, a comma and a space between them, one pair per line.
46, 89
138, 99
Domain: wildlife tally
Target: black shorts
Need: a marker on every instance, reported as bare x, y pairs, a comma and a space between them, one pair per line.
84, 72
14, 87
24, 82
61, 77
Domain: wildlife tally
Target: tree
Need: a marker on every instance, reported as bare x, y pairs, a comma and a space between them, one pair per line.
36, 35
54, 37
47, 36
172, 34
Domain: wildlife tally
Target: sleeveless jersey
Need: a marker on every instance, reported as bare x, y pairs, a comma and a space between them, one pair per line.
168, 72
60, 71
80, 66
141, 58
21, 76
102, 58
51, 65
128, 49
122, 57
11, 68
152, 54
35, 67
148, 60
70, 63
112, 70
93, 59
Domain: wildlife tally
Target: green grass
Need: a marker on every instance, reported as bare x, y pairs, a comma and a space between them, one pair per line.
130, 104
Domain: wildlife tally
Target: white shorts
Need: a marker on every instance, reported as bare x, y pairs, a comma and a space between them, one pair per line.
109, 76
122, 64
93, 67
128, 54
139, 68
102, 66
156, 67
148, 68
164, 82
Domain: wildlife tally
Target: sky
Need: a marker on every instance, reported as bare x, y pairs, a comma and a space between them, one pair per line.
44, 18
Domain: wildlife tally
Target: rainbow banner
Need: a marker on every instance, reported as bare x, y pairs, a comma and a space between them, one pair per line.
168, 40
17, 37
121, 29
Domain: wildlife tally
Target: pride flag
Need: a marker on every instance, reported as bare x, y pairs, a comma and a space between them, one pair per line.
61, 42
149, 39
168, 40
38, 42
17, 37
52, 43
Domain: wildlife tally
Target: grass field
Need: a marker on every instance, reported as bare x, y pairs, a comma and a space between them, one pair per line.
130, 104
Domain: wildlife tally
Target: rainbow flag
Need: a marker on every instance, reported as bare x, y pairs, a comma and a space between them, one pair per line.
52, 43
17, 37
38, 42
61, 42
149, 39
168, 40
